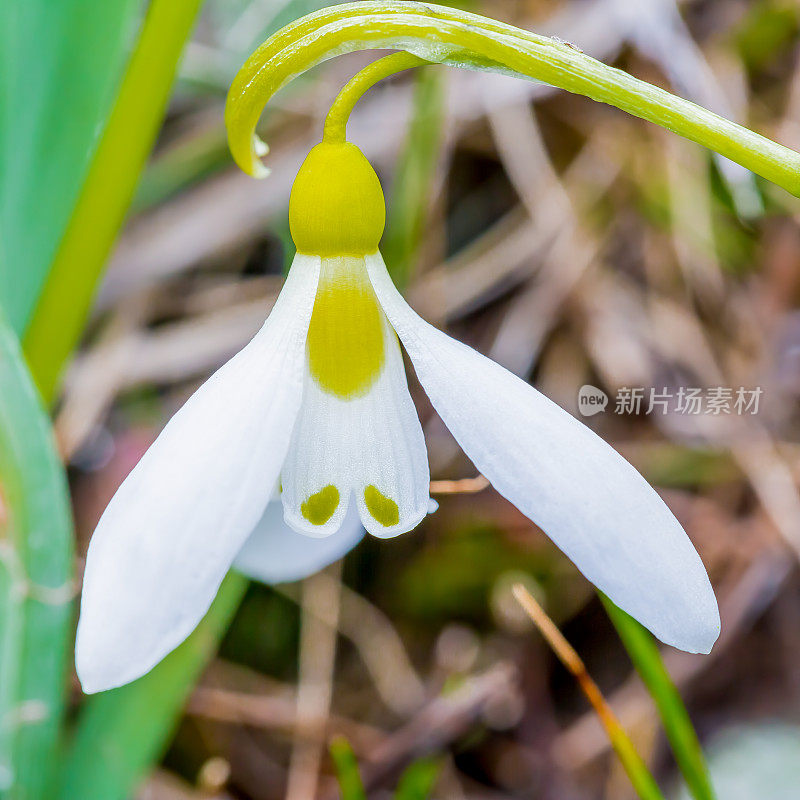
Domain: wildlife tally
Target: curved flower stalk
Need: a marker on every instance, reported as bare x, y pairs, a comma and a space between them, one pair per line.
460, 39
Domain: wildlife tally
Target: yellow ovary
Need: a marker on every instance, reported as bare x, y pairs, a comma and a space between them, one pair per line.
336, 207
345, 337
319, 508
382, 508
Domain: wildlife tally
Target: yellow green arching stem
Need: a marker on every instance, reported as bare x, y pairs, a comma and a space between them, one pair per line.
457, 38
336, 121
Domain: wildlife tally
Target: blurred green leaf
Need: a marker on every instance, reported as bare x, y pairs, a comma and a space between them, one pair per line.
452, 577
411, 192
122, 732
767, 30
675, 466
60, 64
106, 194
418, 780
35, 582
182, 165
347, 774
636, 769
679, 729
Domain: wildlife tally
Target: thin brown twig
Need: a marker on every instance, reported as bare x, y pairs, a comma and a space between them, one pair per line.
380, 647
631, 761
275, 713
567, 656
318, 635
462, 486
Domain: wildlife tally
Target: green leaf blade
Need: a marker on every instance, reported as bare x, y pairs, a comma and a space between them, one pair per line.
35, 582
414, 177
678, 726
347, 773
61, 64
419, 779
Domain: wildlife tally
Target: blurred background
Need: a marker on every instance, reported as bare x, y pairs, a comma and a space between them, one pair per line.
576, 246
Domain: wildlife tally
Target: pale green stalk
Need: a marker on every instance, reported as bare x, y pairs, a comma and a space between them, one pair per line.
411, 189
335, 129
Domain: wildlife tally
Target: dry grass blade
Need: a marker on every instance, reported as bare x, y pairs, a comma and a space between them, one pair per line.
637, 771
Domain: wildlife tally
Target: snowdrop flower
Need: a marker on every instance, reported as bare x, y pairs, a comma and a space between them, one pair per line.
319, 400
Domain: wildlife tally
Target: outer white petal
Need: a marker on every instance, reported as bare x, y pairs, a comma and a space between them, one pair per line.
373, 440
172, 530
578, 489
274, 553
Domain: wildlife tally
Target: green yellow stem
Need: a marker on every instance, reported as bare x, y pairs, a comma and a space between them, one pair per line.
456, 38
336, 121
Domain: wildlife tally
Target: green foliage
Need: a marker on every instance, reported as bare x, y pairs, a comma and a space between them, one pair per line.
419, 780
60, 64
35, 582
674, 466
264, 609
768, 29
119, 733
347, 774
180, 167
679, 729
416, 783
411, 192
640, 777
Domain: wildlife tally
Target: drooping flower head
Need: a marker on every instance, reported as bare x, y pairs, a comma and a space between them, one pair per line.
318, 404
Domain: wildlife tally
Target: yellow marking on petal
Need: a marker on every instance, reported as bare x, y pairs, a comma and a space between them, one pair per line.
319, 508
345, 337
382, 508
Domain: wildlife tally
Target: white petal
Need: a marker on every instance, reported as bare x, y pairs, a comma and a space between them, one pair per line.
169, 535
275, 553
577, 488
370, 446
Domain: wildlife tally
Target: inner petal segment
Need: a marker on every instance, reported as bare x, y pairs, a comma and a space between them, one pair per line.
357, 437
